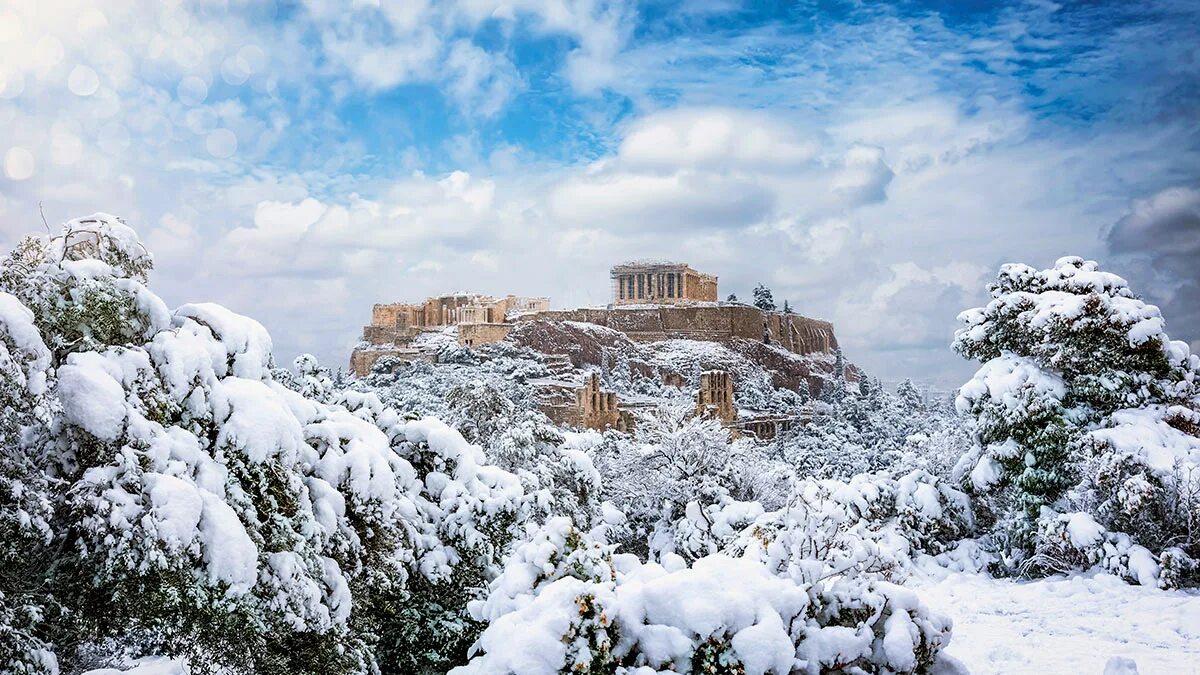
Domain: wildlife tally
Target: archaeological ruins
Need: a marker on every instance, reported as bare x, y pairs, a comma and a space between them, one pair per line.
480, 319
660, 284
651, 301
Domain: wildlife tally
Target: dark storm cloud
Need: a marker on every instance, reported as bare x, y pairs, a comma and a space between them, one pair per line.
1160, 237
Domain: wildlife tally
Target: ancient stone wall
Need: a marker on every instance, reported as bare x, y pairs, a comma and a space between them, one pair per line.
361, 360
475, 334
597, 408
714, 398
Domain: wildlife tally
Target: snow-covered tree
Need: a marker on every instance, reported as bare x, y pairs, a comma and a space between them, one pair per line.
167, 495
763, 298
674, 481
1083, 403
732, 298
910, 396
26, 495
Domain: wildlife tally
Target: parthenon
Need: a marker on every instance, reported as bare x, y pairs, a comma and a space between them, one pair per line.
661, 283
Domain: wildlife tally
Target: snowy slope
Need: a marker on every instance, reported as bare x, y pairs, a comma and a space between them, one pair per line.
1065, 624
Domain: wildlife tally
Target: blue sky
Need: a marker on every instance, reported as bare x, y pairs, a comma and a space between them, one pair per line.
873, 163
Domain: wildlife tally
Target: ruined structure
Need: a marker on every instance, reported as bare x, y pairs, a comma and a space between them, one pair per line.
597, 407
714, 398
661, 284
447, 310
481, 319
587, 407
651, 302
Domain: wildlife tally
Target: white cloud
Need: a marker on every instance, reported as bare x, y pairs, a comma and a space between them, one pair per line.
721, 139
864, 176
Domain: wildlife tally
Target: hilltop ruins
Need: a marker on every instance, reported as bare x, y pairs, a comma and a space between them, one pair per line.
650, 302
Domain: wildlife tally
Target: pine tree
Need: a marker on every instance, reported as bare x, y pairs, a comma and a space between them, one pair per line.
1081, 405
732, 298
910, 396
763, 298
787, 309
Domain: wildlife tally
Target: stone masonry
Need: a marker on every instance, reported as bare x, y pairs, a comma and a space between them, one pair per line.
714, 398
661, 284
598, 408
481, 319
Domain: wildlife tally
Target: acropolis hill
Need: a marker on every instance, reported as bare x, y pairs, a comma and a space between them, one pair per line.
650, 302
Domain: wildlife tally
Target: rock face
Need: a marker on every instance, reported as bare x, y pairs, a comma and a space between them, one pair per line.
678, 362
712, 323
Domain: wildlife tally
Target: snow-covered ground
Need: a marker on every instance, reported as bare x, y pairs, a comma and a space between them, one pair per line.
1069, 625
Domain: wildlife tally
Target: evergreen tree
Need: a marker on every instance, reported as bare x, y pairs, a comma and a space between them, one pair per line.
787, 309
763, 298
1083, 404
910, 396
732, 298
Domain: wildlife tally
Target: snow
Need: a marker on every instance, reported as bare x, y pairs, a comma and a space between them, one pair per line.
717, 595
176, 509
1060, 624
16, 323
435, 340
987, 472
229, 553
1083, 530
1006, 379
257, 420
1143, 432
247, 343
150, 665
91, 397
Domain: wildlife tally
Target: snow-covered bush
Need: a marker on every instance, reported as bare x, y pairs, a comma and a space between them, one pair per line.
673, 482
162, 492
1083, 404
565, 604
26, 505
872, 524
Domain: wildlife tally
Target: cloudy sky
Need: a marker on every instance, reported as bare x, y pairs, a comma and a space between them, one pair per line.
873, 164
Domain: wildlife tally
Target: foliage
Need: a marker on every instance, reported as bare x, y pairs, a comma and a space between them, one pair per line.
763, 298
1083, 404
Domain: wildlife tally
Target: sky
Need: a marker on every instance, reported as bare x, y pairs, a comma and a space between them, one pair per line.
873, 164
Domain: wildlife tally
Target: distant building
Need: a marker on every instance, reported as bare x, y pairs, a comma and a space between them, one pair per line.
663, 283
453, 310
481, 319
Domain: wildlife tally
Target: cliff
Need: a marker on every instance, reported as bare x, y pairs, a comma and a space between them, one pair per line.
711, 323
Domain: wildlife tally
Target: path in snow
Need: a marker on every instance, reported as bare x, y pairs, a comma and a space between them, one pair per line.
1065, 625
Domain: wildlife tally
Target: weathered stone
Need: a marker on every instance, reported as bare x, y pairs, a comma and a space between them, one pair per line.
713, 323
661, 284
714, 398
476, 334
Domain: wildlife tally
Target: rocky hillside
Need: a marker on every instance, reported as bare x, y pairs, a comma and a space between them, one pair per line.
758, 369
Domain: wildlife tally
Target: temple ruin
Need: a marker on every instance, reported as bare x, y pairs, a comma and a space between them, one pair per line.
651, 301
660, 283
